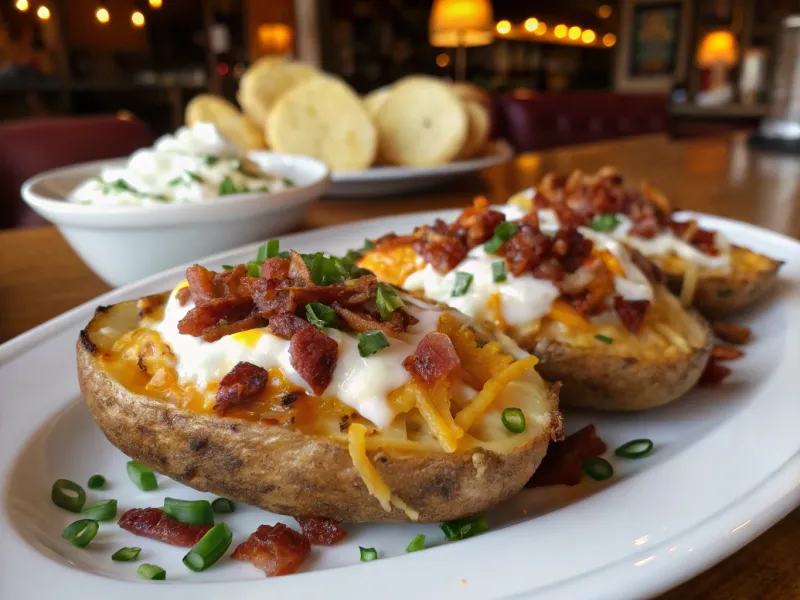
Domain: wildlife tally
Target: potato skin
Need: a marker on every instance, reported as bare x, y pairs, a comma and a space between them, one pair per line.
284, 471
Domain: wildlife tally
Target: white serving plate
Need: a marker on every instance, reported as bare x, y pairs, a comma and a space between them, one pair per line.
391, 181
725, 468
122, 244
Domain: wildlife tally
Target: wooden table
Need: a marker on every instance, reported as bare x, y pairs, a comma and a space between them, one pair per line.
40, 276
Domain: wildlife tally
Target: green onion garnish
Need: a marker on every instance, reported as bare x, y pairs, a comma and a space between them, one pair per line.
326, 270
193, 512
80, 533
193, 176
97, 482
68, 495
387, 300
725, 293
368, 554
287, 182
210, 548
227, 186
121, 184
223, 506
597, 468
371, 342
513, 419
273, 248
153, 572
211, 160
368, 244
607, 222
142, 476
417, 544
126, 554
227, 267
603, 338
102, 510
253, 269
320, 315
499, 271
502, 233
461, 529
462, 283
635, 448
176, 180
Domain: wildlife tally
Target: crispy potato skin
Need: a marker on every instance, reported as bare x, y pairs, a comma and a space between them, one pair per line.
287, 472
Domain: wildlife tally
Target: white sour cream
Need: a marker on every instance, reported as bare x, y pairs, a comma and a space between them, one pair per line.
195, 164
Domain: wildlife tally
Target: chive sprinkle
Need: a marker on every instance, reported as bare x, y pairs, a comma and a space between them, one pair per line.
102, 510
368, 554
223, 506
461, 529
152, 572
253, 269
371, 342
461, 284
635, 448
193, 512
210, 548
387, 300
97, 482
227, 267
499, 271
81, 533
502, 233
142, 476
605, 223
597, 468
417, 544
126, 554
68, 495
513, 419
603, 338
320, 315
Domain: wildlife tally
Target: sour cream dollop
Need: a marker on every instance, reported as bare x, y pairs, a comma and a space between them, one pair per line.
195, 164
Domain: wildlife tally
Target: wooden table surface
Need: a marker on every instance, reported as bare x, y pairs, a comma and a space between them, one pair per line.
41, 277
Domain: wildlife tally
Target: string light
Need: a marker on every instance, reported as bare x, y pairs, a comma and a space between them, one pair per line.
503, 27
531, 24
574, 32
560, 31
541, 28
442, 60
137, 19
43, 13
155, 3
609, 40
22, 5
588, 36
102, 15
604, 11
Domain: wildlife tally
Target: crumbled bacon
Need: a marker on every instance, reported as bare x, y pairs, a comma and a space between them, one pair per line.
570, 248
721, 352
714, 373
438, 246
275, 268
243, 382
183, 296
731, 333
231, 283
220, 330
299, 275
526, 250
313, 355
201, 284
476, 224
209, 313
397, 323
631, 312
434, 358
269, 299
321, 531
153, 523
276, 550
286, 325
562, 463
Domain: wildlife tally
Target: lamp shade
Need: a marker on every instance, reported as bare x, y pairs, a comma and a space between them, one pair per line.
717, 48
456, 23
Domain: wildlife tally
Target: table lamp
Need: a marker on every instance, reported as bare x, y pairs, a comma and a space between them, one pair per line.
459, 24
717, 52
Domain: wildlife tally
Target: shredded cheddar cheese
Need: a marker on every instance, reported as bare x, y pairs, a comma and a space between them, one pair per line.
495, 306
564, 313
689, 283
479, 363
440, 422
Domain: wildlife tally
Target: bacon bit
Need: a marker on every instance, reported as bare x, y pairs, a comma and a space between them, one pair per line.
562, 463
731, 333
355, 292
276, 550
201, 284
269, 300
526, 250
215, 332
243, 382
153, 523
183, 296
713, 374
275, 268
434, 358
722, 353
211, 312
313, 355
299, 275
397, 323
286, 325
631, 312
439, 247
321, 531
232, 283
477, 224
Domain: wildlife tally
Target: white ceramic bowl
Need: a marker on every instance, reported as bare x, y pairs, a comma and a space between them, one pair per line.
125, 243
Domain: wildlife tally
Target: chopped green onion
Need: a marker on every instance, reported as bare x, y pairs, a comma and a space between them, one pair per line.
102, 510
368, 244
462, 283
223, 506
126, 554
502, 233
142, 476
288, 182
80, 533
326, 270
597, 468
160, 197
607, 222
417, 544
725, 293
371, 342
175, 180
97, 482
273, 248
227, 267
227, 186
193, 176
461, 529
499, 271
513, 419
193, 512
635, 448
153, 572
285, 254
68, 495
121, 184
253, 269
368, 554
387, 300
210, 548
603, 338
320, 315
211, 160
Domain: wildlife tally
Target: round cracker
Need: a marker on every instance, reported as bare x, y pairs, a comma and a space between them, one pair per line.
324, 118
375, 99
265, 82
230, 123
477, 130
421, 123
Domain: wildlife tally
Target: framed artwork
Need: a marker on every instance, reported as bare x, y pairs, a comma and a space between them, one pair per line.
716, 13
655, 31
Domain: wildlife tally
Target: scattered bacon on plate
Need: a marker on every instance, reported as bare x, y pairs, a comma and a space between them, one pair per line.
153, 523
321, 531
731, 333
562, 463
713, 374
721, 352
276, 550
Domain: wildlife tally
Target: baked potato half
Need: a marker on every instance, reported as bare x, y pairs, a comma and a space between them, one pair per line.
432, 454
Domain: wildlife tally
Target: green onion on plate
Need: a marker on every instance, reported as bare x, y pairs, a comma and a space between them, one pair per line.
126, 554
223, 506
635, 448
193, 512
68, 495
461, 529
102, 510
210, 548
368, 554
142, 476
97, 482
153, 572
417, 544
597, 468
80, 533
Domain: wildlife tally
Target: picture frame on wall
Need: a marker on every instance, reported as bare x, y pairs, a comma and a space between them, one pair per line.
655, 39
716, 13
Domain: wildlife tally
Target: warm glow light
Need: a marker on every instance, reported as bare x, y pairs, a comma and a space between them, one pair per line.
717, 48
155, 3
609, 39
588, 36
455, 23
102, 15
503, 27
442, 60
275, 38
541, 28
560, 31
604, 11
531, 24
22, 5
43, 13
137, 19
574, 32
